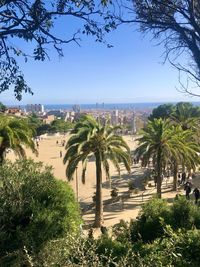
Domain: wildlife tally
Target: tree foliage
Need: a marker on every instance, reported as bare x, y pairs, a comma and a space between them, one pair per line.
2, 107
164, 144
156, 214
35, 207
163, 111
60, 125
175, 24
183, 113
181, 245
36, 22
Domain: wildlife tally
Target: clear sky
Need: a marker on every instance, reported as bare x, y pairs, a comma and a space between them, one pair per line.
131, 71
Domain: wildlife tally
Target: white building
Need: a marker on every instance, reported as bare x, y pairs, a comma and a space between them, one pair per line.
134, 128
115, 117
36, 108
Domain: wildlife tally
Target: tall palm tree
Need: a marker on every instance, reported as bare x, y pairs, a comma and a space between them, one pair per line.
91, 138
159, 142
188, 151
15, 134
188, 117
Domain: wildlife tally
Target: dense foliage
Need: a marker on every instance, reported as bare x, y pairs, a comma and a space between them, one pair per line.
162, 235
35, 208
156, 214
62, 126
172, 244
58, 125
183, 113
163, 111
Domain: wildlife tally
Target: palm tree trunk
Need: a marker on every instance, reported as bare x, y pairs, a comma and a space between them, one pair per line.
175, 177
159, 174
99, 202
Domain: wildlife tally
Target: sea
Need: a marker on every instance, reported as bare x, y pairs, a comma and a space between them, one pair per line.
111, 106
106, 106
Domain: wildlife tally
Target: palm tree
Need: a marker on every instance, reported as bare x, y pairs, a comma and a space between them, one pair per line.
15, 134
91, 138
188, 151
186, 115
159, 142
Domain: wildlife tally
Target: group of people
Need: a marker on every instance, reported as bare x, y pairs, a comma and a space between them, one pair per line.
182, 177
62, 142
184, 180
37, 140
188, 190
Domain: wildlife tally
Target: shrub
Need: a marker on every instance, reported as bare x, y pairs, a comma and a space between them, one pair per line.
85, 253
35, 207
185, 214
148, 225
181, 247
121, 232
157, 213
131, 185
108, 247
114, 192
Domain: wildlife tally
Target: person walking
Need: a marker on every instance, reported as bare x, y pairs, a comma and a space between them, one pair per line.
189, 180
183, 178
60, 154
187, 189
179, 179
196, 193
155, 180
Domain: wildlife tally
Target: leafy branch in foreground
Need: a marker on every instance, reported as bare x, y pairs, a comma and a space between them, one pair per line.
176, 27
44, 24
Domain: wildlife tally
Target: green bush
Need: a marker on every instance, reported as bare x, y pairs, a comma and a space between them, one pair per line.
35, 207
85, 252
107, 247
157, 213
181, 247
148, 225
121, 232
185, 214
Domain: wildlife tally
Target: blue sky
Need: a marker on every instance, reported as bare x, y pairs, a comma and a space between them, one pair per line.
131, 71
